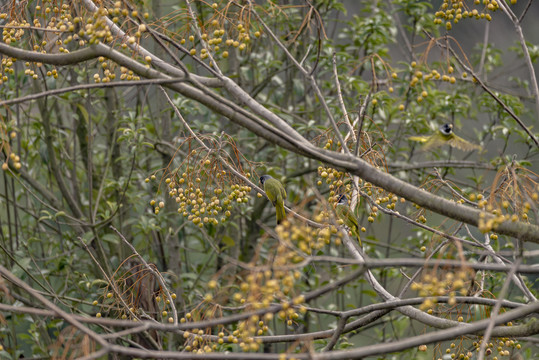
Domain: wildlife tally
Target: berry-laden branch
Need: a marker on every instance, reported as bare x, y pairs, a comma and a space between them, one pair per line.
486, 88
430, 338
290, 139
520, 312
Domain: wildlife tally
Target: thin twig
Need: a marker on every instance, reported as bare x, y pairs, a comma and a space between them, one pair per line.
157, 275
484, 86
527, 58
67, 317
341, 101
230, 167
109, 280
524, 12
494, 313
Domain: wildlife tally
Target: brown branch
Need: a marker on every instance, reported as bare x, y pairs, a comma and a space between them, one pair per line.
59, 312
399, 165
484, 86
55, 167
285, 136
155, 273
527, 58
434, 337
87, 87
495, 312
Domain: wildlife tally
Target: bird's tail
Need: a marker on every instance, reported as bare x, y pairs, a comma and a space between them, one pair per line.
279, 209
356, 234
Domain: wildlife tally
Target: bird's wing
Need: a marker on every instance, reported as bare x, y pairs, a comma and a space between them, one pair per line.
434, 141
353, 219
349, 218
418, 138
462, 144
268, 193
429, 142
340, 210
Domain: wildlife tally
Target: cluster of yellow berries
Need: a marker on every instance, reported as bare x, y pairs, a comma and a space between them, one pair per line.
68, 29
503, 346
262, 288
323, 236
259, 290
13, 160
455, 352
246, 330
420, 217
97, 29
197, 343
334, 178
164, 303
6, 68
307, 239
456, 10
59, 19
420, 77
492, 216
13, 31
213, 35
390, 200
110, 300
450, 284
199, 204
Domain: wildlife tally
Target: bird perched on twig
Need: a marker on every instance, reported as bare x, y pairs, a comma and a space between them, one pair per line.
276, 193
445, 135
348, 217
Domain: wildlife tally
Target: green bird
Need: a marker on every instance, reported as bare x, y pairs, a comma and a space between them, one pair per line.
445, 135
348, 217
276, 193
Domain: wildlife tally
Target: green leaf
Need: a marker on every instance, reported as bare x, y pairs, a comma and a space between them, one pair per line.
228, 241
111, 238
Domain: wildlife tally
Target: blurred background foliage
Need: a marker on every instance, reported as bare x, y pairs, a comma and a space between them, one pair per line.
82, 161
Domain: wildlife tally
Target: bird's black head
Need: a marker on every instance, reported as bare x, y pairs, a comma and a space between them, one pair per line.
342, 199
263, 178
446, 129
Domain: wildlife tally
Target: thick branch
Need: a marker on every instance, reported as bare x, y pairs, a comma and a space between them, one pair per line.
288, 139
